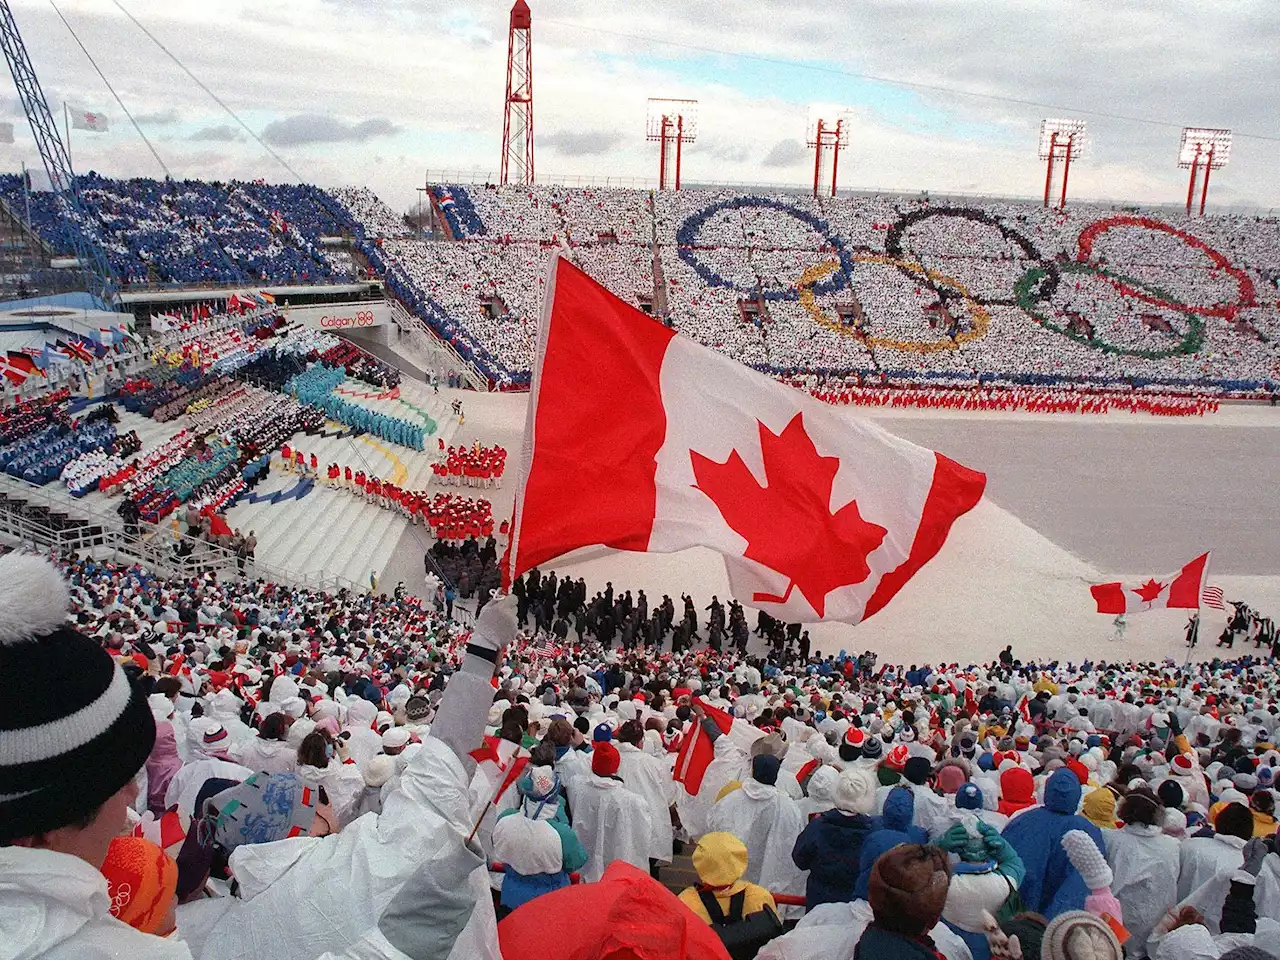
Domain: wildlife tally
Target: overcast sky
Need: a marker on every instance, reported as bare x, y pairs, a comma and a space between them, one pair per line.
381, 92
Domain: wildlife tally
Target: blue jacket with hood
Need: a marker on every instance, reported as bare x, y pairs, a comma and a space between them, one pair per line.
892, 828
829, 848
1051, 885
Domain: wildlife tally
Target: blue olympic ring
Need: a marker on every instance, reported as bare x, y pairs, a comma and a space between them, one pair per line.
687, 246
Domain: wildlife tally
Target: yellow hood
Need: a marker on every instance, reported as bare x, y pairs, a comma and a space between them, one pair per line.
720, 859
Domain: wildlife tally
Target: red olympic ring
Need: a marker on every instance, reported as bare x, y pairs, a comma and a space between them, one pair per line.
1227, 311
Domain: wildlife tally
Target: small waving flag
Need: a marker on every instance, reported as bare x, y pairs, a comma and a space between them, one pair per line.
1180, 590
1213, 597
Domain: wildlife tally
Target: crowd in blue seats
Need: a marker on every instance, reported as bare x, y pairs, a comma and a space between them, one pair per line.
40, 457
188, 232
459, 211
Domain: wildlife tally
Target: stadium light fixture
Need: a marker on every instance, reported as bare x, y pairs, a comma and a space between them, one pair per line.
827, 136
1061, 141
1202, 149
672, 123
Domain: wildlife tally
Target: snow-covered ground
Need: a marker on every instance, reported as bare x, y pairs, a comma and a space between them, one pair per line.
1072, 501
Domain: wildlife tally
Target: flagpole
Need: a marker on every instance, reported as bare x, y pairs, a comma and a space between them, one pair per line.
493, 801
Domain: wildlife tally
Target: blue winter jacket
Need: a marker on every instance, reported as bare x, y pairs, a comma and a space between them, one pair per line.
889, 829
1051, 885
829, 848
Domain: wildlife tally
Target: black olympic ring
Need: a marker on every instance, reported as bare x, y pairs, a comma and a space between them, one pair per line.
1045, 288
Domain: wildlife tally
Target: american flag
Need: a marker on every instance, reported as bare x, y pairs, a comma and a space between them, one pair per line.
544, 649
1212, 597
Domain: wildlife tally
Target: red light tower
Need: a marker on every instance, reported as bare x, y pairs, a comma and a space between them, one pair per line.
827, 138
1202, 149
672, 123
1061, 141
517, 136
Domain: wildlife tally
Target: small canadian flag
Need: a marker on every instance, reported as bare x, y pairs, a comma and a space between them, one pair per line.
639, 439
1181, 590
94, 121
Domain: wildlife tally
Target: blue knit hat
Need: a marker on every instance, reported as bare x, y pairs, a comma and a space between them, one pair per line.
602, 734
969, 797
765, 767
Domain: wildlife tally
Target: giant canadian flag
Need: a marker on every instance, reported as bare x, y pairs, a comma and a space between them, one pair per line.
1179, 591
639, 439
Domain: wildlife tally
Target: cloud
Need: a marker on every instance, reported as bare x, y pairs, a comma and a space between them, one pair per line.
224, 133
786, 153
304, 128
719, 148
1136, 60
158, 118
586, 143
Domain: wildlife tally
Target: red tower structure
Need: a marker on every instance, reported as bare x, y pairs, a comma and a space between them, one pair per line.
1061, 141
672, 123
827, 139
1202, 149
517, 115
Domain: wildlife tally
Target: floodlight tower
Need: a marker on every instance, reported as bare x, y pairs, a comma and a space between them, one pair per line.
1202, 149
517, 116
672, 123
827, 137
1061, 141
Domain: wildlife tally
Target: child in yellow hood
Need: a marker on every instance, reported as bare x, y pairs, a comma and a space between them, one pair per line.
721, 860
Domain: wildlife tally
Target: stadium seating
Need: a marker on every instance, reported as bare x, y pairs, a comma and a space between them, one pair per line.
849, 291
188, 232
882, 290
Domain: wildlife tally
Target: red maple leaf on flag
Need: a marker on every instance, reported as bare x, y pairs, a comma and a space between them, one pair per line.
788, 523
1149, 590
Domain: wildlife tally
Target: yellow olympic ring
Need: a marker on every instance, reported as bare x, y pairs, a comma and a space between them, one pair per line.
979, 314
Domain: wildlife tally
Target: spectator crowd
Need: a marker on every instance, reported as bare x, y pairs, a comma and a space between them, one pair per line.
300, 774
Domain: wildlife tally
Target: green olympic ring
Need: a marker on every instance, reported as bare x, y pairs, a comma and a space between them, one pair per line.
1029, 282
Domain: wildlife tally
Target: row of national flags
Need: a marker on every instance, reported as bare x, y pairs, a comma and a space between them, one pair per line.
237, 303
17, 365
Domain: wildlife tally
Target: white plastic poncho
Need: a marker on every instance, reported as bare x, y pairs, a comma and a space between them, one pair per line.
768, 822
1144, 865
649, 778
55, 906
270, 756
224, 707
1195, 942
304, 896
612, 823
821, 796
834, 929
343, 782
1202, 859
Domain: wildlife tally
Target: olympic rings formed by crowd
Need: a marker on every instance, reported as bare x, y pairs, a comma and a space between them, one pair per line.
980, 317
1048, 282
1037, 285
686, 239
1192, 339
1228, 311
